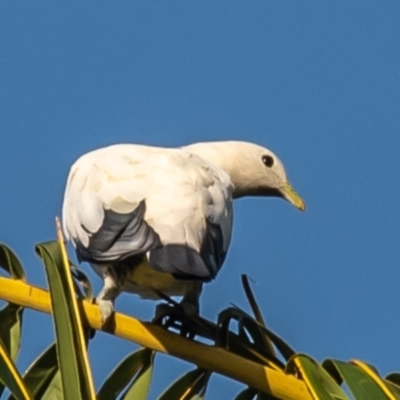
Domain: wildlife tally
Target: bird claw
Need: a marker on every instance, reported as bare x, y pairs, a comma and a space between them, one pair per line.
176, 317
162, 310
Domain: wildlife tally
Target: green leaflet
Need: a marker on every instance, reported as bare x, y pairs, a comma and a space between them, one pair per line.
373, 373
10, 262
132, 367
257, 312
10, 331
190, 386
321, 385
10, 328
42, 375
250, 342
394, 389
393, 383
54, 390
10, 376
362, 386
11, 315
394, 377
71, 348
139, 388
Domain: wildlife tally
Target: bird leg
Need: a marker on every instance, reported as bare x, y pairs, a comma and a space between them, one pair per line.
113, 282
191, 300
183, 316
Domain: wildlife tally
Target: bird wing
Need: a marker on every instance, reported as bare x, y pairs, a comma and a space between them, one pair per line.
124, 200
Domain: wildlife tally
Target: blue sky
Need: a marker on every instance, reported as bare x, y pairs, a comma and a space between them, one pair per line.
317, 82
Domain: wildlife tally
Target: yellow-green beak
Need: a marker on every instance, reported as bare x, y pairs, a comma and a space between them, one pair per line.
292, 197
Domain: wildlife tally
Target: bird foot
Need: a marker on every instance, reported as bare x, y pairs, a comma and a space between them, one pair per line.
106, 309
177, 318
162, 311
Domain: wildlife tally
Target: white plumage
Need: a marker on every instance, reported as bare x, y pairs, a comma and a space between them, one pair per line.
153, 219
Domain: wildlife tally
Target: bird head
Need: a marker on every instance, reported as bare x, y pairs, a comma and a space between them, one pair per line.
253, 169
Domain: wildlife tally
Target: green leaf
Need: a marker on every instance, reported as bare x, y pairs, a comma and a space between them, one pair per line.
321, 385
250, 341
360, 383
190, 386
394, 389
373, 373
40, 375
10, 262
284, 349
71, 347
257, 312
10, 328
124, 372
10, 315
10, 331
10, 376
55, 390
236, 313
394, 377
139, 388
252, 300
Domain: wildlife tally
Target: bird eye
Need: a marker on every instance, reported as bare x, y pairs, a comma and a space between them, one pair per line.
268, 161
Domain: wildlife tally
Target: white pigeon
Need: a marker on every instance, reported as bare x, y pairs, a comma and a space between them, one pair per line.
152, 219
